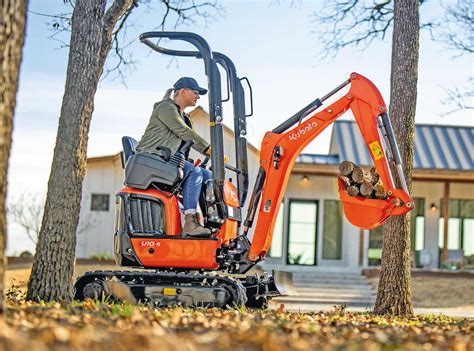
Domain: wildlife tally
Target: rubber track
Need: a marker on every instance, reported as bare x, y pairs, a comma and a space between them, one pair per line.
233, 286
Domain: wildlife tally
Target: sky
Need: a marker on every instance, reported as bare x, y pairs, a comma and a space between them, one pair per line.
272, 43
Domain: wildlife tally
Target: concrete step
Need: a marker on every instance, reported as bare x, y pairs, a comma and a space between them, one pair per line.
348, 294
331, 281
326, 291
333, 286
299, 275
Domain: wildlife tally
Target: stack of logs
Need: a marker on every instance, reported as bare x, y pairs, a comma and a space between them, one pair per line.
361, 182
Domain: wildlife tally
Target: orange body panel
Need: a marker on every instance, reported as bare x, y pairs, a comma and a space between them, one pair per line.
171, 208
367, 104
231, 198
176, 253
228, 231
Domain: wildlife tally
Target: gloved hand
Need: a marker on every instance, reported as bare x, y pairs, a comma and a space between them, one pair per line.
208, 153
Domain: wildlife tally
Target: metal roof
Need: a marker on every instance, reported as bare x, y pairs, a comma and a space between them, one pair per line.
318, 159
436, 147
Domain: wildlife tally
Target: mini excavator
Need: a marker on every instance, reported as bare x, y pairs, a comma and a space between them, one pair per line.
213, 271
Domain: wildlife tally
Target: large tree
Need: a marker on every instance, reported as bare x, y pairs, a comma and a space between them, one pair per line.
394, 290
94, 30
12, 33
354, 23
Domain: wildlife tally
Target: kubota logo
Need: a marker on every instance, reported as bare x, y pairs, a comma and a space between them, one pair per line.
303, 130
150, 243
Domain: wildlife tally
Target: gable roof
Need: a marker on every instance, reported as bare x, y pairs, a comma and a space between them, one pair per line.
437, 147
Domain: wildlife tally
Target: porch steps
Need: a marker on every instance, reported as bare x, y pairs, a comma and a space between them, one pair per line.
326, 288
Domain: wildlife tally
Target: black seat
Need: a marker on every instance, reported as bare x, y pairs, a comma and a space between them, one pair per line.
129, 148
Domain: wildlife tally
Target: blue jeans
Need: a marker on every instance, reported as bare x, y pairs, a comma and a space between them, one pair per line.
193, 184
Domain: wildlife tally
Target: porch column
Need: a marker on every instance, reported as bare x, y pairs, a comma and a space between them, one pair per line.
444, 254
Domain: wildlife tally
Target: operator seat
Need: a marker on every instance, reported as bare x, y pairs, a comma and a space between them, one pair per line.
129, 148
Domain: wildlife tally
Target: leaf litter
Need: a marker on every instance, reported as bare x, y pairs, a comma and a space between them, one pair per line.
102, 324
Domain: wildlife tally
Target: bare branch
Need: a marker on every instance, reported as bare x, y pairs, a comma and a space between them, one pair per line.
460, 99
27, 212
344, 23
457, 27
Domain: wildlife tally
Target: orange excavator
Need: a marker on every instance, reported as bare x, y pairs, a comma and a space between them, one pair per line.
213, 271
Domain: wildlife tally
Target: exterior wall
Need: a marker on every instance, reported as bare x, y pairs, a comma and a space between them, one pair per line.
95, 229
433, 193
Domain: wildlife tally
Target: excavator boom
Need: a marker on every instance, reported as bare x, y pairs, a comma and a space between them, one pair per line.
281, 147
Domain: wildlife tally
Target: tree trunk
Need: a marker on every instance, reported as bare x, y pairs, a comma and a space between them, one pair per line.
12, 34
394, 291
91, 38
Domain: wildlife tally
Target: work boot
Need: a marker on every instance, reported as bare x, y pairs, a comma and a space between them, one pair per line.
192, 226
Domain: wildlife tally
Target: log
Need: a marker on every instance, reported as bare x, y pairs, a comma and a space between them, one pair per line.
352, 190
346, 168
346, 180
366, 189
380, 192
360, 175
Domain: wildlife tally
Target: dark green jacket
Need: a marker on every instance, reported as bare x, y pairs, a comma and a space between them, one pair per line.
168, 128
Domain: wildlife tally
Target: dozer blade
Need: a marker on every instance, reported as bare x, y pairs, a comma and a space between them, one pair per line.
284, 283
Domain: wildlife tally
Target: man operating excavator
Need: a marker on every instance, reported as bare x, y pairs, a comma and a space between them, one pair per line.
169, 127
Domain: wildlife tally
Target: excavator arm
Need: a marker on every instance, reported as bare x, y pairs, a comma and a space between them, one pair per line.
281, 147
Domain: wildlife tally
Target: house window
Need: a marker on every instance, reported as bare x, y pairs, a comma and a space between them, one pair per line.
332, 234
417, 230
100, 202
302, 231
460, 226
417, 224
276, 249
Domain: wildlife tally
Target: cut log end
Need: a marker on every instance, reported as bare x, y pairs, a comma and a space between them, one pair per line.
346, 168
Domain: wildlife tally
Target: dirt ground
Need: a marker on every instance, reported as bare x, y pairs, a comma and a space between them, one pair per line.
440, 292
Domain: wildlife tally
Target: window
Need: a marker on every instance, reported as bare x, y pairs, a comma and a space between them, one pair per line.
417, 230
302, 232
417, 225
460, 226
332, 234
100, 202
276, 249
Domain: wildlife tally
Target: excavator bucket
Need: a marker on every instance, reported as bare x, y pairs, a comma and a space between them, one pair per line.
362, 212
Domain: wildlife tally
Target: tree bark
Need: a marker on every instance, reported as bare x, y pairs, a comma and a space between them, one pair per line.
394, 291
12, 34
91, 39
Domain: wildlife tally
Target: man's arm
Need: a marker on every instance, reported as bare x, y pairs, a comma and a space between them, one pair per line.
171, 118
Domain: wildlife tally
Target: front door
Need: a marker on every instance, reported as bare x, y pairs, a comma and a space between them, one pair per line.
302, 232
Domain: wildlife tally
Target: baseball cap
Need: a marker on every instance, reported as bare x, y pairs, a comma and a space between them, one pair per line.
189, 83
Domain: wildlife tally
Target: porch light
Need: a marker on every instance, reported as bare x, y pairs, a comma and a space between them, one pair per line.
433, 207
305, 178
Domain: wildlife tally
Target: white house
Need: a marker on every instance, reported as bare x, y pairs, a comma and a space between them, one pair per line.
311, 232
